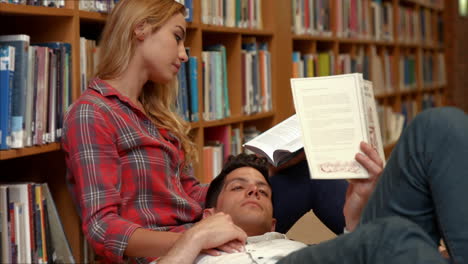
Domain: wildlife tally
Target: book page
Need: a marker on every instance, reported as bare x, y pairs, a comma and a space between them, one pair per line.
374, 133
285, 136
333, 125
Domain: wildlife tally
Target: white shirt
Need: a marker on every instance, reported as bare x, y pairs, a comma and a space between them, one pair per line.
265, 249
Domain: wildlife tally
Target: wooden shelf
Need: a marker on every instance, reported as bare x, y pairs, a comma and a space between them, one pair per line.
14, 9
314, 37
92, 16
16, 153
235, 30
432, 88
236, 119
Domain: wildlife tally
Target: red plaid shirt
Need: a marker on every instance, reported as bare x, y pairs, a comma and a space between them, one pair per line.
125, 173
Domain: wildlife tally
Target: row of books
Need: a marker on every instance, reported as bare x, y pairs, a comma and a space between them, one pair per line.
105, 6
31, 230
393, 122
433, 69
382, 71
366, 19
102, 6
256, 77
432, 3
256, 80
187, 96
232, 13
417, 26
378, 67
35, 91
311, 17
221, 142
48, 3
324, 64
215, 83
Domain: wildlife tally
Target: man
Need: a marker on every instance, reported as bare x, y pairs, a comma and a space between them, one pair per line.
413, 206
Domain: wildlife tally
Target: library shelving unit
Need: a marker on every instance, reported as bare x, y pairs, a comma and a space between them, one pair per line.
423, 46
46, 163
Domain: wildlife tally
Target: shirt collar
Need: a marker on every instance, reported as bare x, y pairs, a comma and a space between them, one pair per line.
266, 237
106, 90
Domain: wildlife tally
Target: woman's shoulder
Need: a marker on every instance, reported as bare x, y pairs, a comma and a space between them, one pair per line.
93, 98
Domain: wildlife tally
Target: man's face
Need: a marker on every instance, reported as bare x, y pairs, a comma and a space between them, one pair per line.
246, 197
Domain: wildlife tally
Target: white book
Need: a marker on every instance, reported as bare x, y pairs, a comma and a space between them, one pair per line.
5, 236
335, 114
19, 194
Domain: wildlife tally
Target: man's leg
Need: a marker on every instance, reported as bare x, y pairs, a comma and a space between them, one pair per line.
386, 240
295, 194
426, 179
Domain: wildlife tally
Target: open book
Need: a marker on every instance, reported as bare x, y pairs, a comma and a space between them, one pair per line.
280, 143
335, 114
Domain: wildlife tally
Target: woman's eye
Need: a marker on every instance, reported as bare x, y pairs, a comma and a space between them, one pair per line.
178, 38
263, 192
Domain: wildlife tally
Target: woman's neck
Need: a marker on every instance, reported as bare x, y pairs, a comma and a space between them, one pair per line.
130, 83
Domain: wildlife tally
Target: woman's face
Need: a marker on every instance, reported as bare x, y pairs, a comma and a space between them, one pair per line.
163, 51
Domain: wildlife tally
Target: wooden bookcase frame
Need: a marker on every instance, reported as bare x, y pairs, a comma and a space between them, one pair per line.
66, 24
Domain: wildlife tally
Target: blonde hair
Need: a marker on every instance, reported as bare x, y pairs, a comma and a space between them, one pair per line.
117, 47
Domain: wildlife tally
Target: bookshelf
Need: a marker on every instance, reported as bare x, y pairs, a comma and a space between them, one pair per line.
45, 163
411, 44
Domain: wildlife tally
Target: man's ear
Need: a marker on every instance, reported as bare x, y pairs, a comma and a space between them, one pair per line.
141, 30
273, 224
208, 212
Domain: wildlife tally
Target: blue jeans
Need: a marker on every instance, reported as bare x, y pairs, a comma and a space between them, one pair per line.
422, 190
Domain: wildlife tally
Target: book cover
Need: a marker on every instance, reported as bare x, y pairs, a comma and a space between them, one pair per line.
5, 231
18, 97
333, 113
193, 83
19, 194
7, 69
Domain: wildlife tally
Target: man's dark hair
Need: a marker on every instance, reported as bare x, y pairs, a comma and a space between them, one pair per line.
232, 163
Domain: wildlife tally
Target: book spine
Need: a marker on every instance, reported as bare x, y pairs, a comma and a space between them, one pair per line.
21, 44
7, 68
193, 72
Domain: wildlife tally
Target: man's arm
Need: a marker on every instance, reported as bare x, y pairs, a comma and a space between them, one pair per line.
212, 232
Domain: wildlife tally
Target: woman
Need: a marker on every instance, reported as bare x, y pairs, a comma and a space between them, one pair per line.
128, 155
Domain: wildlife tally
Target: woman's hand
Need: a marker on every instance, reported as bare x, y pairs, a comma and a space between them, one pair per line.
359, 190
213, 233
218, 232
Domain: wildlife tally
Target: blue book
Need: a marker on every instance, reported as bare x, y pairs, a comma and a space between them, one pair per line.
19, 92
221, 48
183, 92
7, 69
189, 10
193, 84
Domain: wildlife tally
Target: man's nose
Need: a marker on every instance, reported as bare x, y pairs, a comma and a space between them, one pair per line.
253, 191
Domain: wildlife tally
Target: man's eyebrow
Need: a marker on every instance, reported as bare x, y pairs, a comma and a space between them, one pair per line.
259, 183
181, 29
233, 180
